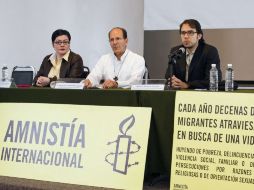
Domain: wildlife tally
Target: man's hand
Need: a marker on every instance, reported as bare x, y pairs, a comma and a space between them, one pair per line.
177, 83
87, 83
110, 84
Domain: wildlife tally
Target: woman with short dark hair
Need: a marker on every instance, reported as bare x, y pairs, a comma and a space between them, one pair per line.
63, 63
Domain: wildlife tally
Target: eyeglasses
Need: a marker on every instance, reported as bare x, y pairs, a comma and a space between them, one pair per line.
62, 42
189, 33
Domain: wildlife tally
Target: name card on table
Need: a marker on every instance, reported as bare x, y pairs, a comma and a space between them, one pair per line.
61, 85
147, 87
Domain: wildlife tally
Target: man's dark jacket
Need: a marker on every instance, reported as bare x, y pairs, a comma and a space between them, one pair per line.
199, 68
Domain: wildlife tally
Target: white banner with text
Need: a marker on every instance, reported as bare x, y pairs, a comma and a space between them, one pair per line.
213, 141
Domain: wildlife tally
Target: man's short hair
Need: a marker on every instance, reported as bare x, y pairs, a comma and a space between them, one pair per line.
193, 24
122, 29
60, 32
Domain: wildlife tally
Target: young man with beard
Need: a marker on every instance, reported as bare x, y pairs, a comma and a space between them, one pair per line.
191, 70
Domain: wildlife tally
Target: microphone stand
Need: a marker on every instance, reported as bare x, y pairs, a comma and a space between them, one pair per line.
171, 62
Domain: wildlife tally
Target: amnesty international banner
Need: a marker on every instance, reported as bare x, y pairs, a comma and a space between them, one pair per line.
87, 145
213, 144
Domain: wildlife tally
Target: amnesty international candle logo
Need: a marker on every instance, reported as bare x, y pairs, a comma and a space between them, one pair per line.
120, 158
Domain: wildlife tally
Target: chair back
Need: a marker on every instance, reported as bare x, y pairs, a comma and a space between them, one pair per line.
146, 74
23, 76
86, 72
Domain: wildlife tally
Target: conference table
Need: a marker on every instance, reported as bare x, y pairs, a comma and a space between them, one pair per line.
162, 103
160, 141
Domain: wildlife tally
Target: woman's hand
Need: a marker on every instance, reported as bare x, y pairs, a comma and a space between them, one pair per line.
42, 81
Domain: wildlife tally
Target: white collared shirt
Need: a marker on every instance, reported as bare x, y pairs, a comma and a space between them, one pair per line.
130, 68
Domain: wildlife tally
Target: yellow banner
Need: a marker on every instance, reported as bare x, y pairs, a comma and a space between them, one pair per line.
87, 145
213, 144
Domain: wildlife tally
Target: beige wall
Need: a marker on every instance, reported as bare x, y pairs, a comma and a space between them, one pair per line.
235, 46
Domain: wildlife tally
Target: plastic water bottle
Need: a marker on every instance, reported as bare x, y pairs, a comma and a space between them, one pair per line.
213, 82
5, 72
229, 78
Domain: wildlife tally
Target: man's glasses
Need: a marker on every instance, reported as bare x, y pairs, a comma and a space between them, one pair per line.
189, 33
62, 42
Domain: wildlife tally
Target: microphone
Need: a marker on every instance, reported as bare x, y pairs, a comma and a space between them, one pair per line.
177, 54
172, 57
